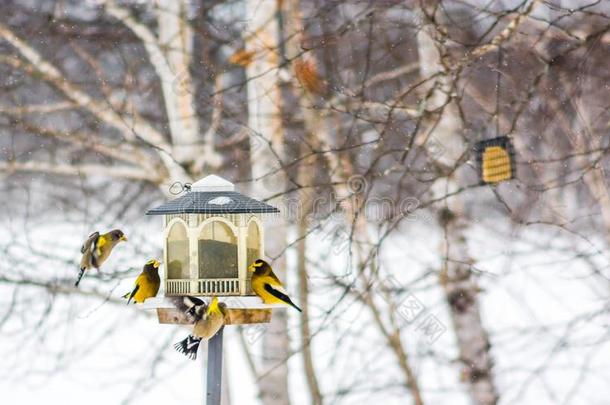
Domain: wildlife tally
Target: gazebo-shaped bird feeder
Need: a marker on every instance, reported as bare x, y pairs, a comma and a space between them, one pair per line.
211, 235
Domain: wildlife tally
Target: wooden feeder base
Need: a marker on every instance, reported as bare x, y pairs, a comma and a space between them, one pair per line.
234, 316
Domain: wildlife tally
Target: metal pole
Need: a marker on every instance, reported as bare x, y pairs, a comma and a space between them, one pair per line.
214, 380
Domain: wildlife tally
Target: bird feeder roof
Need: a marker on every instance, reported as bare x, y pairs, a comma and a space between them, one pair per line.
213, 195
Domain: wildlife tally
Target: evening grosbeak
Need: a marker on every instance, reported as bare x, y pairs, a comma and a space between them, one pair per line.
267, 286
147, 284
96, 250
209, 319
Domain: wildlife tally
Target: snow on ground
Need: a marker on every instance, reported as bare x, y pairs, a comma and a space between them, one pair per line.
541, 306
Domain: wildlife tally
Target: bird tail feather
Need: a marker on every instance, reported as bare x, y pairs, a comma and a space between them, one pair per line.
131, 294
188, 346
294, 305
128, 297
81, 273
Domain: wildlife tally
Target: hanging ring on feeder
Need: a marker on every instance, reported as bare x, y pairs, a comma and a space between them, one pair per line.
178, 187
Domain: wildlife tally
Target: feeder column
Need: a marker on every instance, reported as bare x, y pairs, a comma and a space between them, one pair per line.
242, 253
193, 236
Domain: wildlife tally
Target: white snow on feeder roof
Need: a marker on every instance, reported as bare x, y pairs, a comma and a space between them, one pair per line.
212, 183
221, 200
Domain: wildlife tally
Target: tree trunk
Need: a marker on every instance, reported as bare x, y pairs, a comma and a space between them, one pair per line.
311, 93
176, 40
266, 148
460, 287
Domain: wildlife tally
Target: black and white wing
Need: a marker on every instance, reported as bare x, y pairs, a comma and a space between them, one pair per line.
188, 346
192, 306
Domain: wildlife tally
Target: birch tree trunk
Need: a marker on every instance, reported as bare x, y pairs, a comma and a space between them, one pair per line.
176, 42
266, 148
311, 93
130, 127
315, 128
456, 277
170, 53
584, 137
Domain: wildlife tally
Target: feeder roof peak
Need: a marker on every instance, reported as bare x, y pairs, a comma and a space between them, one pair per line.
212, 183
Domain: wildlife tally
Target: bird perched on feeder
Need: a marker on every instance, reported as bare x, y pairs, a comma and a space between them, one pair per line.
267, 286
96, 250
147, 283
209, 319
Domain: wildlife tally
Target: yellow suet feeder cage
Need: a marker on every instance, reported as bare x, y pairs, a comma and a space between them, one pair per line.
211, 234
495, 160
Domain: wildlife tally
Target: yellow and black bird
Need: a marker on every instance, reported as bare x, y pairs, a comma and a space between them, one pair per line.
147, 283
209, 319
96, 250
267, 286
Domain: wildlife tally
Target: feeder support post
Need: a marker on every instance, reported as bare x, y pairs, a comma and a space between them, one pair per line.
214, 374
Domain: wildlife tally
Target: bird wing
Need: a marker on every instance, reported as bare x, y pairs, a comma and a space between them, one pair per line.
90, 242
193, 301
186, 302
278, 292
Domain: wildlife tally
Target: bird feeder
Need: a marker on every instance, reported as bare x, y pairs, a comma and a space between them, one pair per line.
211, 234
496, 160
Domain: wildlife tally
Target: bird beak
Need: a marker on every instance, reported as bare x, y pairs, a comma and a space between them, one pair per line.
156, 264
124, 238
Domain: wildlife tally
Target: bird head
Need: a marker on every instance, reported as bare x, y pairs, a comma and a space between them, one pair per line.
117, 235
257, 265
215, 307
152, 264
